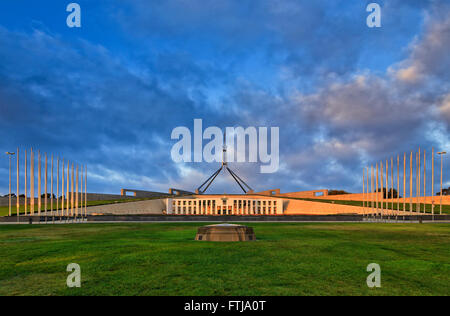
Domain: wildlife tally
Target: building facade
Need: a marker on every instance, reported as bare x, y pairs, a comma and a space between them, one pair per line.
224, 205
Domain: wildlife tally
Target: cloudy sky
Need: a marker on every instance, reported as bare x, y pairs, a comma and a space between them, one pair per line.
108, 94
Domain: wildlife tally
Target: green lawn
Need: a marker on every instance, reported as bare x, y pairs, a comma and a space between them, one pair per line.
287, 259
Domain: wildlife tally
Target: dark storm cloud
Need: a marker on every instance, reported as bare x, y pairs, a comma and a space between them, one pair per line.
305, 35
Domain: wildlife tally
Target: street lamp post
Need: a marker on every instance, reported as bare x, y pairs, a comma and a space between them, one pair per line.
10, 154
441, 153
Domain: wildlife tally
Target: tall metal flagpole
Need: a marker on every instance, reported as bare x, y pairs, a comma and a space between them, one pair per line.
404, 185
432, 181
9, 195
372, 192
51, 193
81, 192
424, 182
440, 196
76, 194
10, 154
71, 194
387, 188
411, 183
62, 188
392, 185
417, 183
368, 196
39, 184
382, 190
364, 190
17, 183
45, 187
57, 187
441, 154
85, 191
398, 187
376, 195
419, 186
32, 183
67, 188
25, 182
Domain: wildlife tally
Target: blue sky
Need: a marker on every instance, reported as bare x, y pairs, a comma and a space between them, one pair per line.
109, 93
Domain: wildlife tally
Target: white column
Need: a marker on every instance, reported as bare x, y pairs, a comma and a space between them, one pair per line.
168, 204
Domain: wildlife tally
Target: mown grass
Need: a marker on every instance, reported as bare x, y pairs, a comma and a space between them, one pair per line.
164, 259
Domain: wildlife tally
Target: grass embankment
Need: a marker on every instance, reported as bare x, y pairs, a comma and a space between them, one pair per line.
287, 259
4, 210
445, 208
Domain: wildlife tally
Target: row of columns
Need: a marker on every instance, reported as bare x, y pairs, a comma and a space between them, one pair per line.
71, 203
230, 207
375, 202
